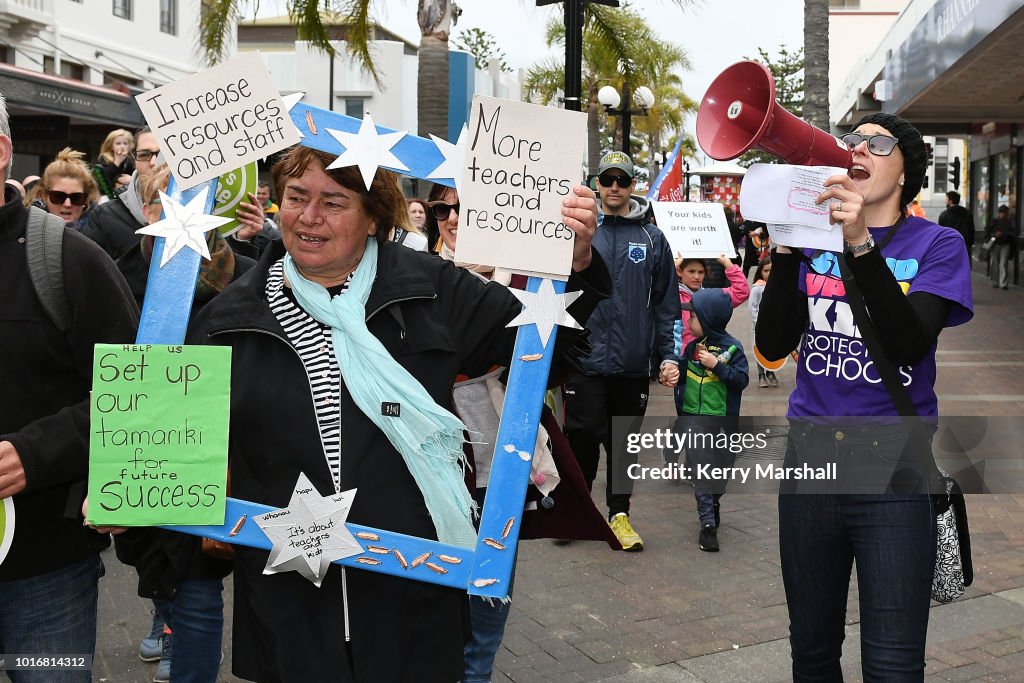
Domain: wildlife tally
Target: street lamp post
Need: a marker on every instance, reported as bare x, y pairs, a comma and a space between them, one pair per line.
609, 98
574, 48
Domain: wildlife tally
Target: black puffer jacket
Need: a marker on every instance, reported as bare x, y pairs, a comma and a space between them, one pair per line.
436, 320
112, 226
45, 377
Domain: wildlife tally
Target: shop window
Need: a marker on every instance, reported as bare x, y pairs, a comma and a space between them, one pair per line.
110, 78
979, 193
169, 17
123, 9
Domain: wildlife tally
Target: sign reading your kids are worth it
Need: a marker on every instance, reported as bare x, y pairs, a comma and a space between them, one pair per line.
218, 120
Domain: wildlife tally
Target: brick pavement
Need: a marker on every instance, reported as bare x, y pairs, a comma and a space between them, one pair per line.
672, 613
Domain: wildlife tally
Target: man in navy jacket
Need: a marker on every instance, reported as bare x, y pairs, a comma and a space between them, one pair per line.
625, 331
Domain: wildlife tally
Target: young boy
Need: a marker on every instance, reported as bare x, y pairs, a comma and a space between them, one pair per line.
716, 375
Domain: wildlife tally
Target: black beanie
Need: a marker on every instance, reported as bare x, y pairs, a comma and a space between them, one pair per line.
915, 156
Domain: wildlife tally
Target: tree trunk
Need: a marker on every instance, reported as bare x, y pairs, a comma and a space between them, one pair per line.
816, 63
435, 18
432, 90
655, 159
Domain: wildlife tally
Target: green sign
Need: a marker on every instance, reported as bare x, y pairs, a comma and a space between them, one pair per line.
232, 188
158, 434
6, 526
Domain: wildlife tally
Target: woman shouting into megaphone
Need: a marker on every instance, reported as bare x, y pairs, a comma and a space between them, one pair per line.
914, 279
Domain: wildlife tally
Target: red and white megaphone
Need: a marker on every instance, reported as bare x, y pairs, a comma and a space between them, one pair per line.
739, 113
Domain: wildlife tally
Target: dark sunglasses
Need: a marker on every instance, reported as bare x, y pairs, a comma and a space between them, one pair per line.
441, 210
57, 197
624, 181
879, 145
145, 154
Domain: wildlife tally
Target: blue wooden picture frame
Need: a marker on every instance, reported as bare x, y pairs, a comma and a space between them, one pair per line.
487, 569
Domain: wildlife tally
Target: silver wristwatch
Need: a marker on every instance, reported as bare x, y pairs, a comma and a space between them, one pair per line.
860, 248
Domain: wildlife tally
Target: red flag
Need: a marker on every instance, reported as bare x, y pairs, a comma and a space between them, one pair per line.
671, 189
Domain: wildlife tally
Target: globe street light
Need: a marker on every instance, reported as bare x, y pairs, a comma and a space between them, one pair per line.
610, 99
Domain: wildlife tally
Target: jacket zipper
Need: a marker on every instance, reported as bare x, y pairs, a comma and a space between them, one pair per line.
397, 301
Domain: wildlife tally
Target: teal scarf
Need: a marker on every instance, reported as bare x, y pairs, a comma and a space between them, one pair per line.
428, 436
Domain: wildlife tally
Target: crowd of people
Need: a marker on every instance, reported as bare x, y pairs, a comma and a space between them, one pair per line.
335, 295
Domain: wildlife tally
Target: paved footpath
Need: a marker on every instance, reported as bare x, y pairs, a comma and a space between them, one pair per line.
672, 613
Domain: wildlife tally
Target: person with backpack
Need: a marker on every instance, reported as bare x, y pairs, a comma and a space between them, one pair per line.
62, 296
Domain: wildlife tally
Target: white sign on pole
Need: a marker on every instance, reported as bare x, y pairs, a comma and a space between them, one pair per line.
695, 229
218, 120
522, 160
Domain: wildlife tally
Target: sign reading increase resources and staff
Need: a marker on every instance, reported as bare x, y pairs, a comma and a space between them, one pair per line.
522, 160
695, 229
158, 434
218, 120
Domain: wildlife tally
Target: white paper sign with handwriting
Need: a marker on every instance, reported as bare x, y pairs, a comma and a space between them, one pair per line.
695, 228
219, 119
522, 160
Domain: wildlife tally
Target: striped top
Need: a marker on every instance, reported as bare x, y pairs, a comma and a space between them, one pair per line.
312, 340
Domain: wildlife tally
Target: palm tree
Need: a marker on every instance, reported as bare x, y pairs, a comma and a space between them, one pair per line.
816, 63
314, 18
619, 49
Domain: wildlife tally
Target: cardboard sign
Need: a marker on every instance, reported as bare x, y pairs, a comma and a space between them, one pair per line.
158, 434
522, 160
695, 229
218, 119
233, 188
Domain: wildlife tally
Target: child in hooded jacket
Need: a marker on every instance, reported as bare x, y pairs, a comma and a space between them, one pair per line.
716, 373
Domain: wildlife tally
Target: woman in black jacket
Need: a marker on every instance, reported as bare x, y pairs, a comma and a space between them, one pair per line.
296, 409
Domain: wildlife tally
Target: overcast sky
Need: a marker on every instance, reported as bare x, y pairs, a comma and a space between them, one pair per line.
714, 33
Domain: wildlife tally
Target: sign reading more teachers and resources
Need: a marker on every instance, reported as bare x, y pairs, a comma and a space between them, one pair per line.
522, 161
695, 228
218, 119
158, 434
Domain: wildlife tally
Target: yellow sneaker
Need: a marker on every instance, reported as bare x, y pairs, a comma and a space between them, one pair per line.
628, 538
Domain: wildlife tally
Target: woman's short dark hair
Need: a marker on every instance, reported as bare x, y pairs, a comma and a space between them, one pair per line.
384, 202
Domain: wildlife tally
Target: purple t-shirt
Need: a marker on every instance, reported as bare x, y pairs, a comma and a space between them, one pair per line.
835, 375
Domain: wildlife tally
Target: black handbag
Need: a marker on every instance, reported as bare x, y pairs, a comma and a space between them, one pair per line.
954, 570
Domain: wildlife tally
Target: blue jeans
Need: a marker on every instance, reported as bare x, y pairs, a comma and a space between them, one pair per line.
196, 618
52, 614
487, 622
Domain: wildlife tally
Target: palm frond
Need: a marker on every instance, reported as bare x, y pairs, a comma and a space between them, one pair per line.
358, 32
217, 20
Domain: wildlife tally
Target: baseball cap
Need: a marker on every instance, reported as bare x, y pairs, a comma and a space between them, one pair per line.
617, 160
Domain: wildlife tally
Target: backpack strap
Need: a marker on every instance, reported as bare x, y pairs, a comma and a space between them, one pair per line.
44, 240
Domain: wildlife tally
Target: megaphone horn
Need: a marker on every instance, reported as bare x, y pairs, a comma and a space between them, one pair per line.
739, 113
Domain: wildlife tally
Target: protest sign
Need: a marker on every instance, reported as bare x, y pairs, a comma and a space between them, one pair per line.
233, 188
695, 229
158, 434
218, 119
522, 161
6, 527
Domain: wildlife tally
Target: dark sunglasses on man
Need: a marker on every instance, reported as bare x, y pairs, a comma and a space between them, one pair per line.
57, 197
441, 210
608, 179
879, 145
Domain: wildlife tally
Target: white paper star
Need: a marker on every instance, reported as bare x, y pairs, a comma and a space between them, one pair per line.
367, 149
290, 101
546, 309
310, 533
454, 158
184, 225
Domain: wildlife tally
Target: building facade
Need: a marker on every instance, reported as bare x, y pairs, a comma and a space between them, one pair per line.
952, 67
69, 69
